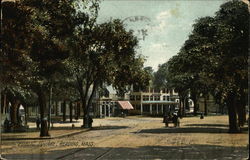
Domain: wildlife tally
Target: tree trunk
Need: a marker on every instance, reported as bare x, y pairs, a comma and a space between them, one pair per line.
70, 111
233, 125
14, 112
64, 111
42, 104
84, 107
182, 101
186, 103
241, 112
194, 98
56, 108
195, 106
83, 96
205, 105
4, 103
87, 123
77, 110
180, 108
25, 113
50, 105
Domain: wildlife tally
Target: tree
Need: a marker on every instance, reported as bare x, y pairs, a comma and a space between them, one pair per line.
14, 60
159, 79
102, 54
214, 58
132, 75
225, 57
178, 80
233, 30
49, 23
16, 96
65, 89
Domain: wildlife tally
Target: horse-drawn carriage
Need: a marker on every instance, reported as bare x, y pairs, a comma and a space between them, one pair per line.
171, 119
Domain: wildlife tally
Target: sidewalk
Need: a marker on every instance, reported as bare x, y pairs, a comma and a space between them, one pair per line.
58, 130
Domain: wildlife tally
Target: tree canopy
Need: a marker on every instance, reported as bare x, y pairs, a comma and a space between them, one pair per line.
59, 44
214, 60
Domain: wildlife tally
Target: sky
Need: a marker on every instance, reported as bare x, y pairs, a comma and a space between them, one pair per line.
165, 24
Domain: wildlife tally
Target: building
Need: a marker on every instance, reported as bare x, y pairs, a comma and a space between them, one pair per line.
111, 105
212, 107
153, 102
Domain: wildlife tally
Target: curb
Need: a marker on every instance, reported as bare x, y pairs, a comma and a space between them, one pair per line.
50, 137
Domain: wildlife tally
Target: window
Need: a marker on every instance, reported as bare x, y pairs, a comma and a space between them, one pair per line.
146, 108
138, 107
138, 97
157, 98
171, 91
163, 90
146, 98
168, 98
132, 97
151, 98
164, 98
154, 107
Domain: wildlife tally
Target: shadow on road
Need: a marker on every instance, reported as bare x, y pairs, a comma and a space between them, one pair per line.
109, 127
207, 125
144, 152
184, 130
33, 133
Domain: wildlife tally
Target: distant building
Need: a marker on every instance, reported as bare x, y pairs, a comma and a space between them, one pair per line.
111, 105
212, 107
153, 102
148, 102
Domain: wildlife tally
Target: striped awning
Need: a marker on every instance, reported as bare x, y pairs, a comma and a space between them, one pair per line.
125, 105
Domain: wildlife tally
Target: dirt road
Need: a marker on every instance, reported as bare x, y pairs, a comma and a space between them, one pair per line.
139, 138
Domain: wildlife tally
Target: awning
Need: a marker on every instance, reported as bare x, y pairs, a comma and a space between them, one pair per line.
125, 105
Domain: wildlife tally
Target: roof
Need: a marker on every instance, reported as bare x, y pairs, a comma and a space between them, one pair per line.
125, 105
160, 102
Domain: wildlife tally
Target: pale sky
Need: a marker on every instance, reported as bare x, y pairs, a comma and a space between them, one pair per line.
168, 23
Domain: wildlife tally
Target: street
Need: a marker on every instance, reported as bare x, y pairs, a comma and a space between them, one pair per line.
138, 138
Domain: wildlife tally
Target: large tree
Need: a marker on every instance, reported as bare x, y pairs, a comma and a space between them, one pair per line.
41, 36
103, 54
14, 59
215, 59
231, 59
